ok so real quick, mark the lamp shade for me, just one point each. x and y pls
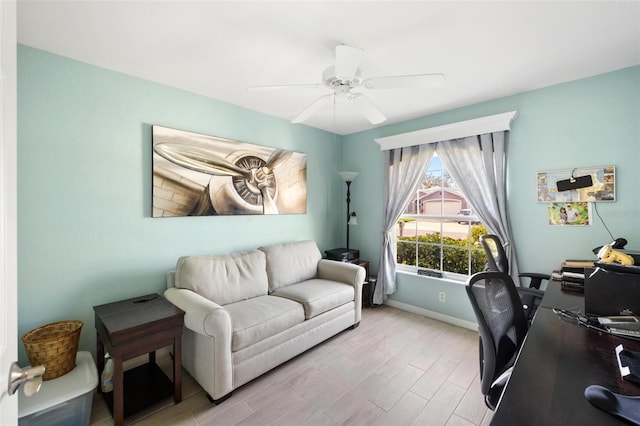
(348, 176)
(353, 219)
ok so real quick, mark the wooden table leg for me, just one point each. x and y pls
(177, 369)
(99, 360)
(118, 391)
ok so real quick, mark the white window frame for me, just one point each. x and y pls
(440, 218)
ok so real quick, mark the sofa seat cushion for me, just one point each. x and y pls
(256, 319)
(317, 296)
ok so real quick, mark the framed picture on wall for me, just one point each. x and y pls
(200, 175)
(603, 188)
(569, 214)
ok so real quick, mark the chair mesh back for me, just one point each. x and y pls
(501, 320)
(496, 256)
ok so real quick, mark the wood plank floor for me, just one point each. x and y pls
(396, 368)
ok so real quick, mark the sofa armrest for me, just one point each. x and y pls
(348, 273)
(171, 278)
(208, 357)
(202, 315)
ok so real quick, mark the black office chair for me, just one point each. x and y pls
(502, 325)
(497, 261)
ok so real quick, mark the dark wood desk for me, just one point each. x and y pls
(554, 297)
(134, 327)
(558, 360)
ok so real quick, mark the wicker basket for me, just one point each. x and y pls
(55, 345)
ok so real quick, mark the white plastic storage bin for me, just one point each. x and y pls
(65, 401)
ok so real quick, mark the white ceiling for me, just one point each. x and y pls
(486, 49)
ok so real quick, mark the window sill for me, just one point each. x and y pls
(450, 280)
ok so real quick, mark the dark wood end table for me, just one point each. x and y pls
(134, 327)
(367, 287)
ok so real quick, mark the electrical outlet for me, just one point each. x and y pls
(442, 296)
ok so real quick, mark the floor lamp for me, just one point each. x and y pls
(352, 219)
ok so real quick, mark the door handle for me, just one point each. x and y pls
(30, 376)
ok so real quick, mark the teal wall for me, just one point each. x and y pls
(85, 232)
(85, 235)
(589, 122)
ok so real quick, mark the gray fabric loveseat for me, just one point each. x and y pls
(249, 312)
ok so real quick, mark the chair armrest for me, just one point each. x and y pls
(202, 315)
(536, 278)
(530, 292)
(348, 273)
(531, 299)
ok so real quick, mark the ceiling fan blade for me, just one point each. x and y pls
(368, 109)
(286, 86)
(348, 60)
(416, 81)
(311, 109)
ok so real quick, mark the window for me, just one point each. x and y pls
(438, 229)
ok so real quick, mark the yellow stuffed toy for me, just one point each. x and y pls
(609, 255)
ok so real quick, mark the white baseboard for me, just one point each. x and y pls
(431, 314)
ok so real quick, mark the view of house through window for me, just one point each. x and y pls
(438, 229)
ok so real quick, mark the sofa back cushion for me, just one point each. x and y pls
(291, 263)
(224, 279)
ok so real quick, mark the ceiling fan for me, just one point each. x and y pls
(344, 76)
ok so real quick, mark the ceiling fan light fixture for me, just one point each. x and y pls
(332, 79)
(345, 75)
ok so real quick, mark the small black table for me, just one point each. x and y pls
(130, 328)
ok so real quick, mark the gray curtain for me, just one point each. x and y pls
(478, 165)
(403, 170)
